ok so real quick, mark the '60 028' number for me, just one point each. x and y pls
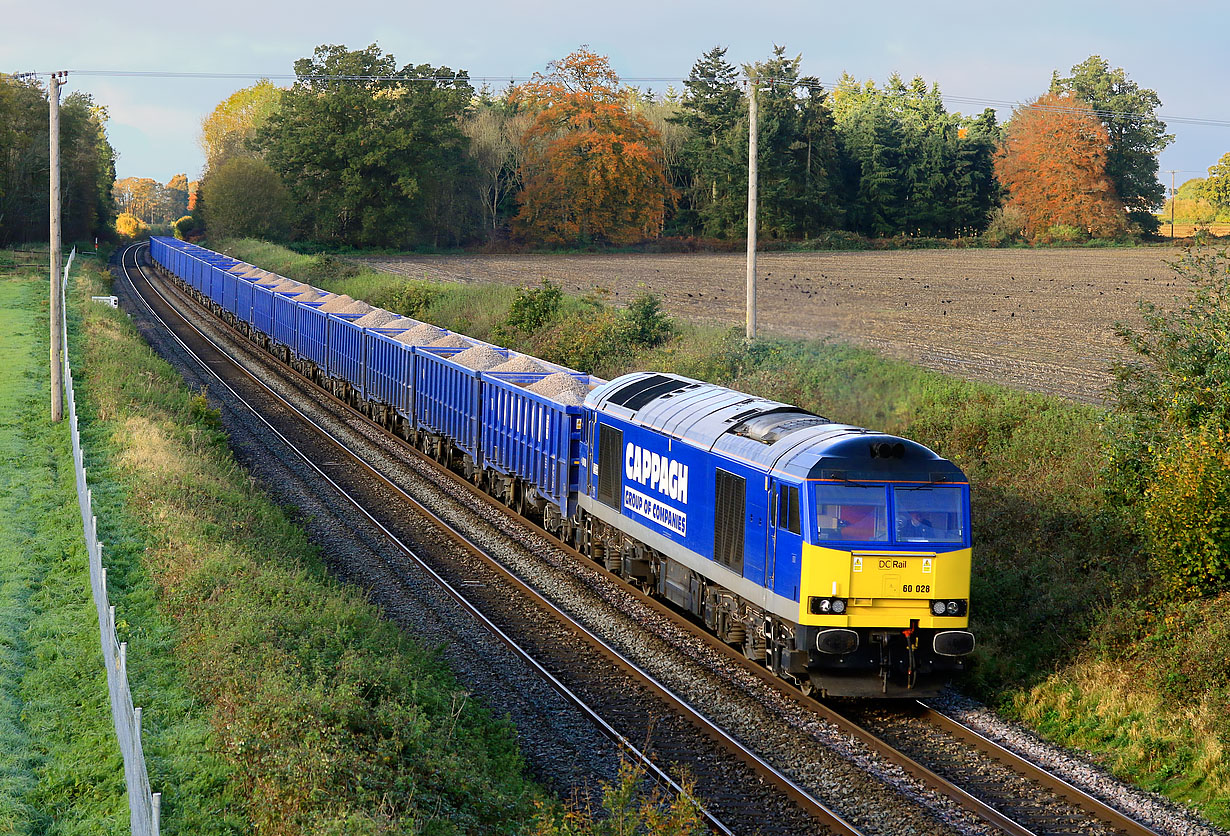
(909, 587)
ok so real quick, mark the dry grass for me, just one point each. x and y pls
(1108, 710)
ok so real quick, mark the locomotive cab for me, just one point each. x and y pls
(885, 581)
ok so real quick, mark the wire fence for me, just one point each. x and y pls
(144, 807)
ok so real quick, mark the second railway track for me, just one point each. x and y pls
(817, 764)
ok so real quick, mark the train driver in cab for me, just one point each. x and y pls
(914, 526)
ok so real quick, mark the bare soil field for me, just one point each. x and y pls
(1039, 320)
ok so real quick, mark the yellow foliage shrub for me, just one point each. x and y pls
(1187, 513)
(131, 227)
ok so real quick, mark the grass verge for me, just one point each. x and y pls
(60, 766)
(1068, 641)
(314, 715)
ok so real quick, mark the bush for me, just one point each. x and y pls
(131, 227)
(836, 239)
(183, 227)
(1007, 226)
(534, 307)
(408, 298)
(1063, 234)
(1186, 512)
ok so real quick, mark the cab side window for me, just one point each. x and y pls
(788, 509)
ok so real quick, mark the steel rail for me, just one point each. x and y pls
(792, 790)
(1035, 773)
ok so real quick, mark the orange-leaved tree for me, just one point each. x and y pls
(1052, 161)
(592, 168)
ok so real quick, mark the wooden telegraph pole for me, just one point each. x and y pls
(751, 208)
(57, 377)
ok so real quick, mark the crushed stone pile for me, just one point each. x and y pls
(337, 304)
(307, 296)
(375, 318)
(357, 307)
(421, 334)
(401, 322)
(451, 341)
(560, 387)
(287, 284)
(480, 358)
(521, 364)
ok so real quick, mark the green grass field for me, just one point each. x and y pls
(60, 769)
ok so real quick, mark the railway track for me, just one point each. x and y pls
(463, 593)
(975, 808)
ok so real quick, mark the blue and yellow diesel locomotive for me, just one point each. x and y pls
(838, 557)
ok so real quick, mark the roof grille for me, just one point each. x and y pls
(637, 394)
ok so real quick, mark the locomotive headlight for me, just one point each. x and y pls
(826, 606)
(950, 609)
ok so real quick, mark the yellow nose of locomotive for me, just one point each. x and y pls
(884, 588)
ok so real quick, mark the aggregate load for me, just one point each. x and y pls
(560, 387)
(375, 318)
(287, 284)
(357, 307)
(421, 334)
(521, 364)
(480, 358)
(401, 322)
(337, 304)
(451, 341)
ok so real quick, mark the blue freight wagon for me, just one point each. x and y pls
(448, 398)
(286, 321)
(345, 352)
(390, 371)
(314, 335)
(529, 435)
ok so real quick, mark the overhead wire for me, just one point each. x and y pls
(997, 104)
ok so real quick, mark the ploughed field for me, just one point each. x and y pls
(1040, 320)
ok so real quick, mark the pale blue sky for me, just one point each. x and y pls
(975, 51)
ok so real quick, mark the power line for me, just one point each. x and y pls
(461, 76)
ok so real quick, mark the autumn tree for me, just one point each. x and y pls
(1052, 161)
(230, 129)
(1135, 133)
(593, 168)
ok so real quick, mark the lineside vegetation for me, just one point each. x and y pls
(1100, 586)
